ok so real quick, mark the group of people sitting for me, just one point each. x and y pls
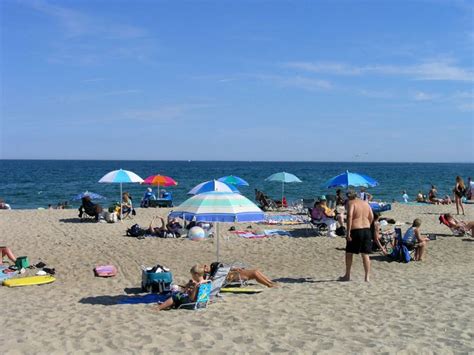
(203, 273)
(95, 210)
(431, 198)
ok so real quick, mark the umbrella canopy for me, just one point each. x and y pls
(219, 207)
(348, 179)
(160, 180)
(121, 177)
(233, 180)
(92, 195)
(283, 177)
(212, 185)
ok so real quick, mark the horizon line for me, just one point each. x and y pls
(247, 161)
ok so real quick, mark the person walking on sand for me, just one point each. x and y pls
(459, 190)
(359, 234)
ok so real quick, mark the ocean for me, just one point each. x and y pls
(27, 184)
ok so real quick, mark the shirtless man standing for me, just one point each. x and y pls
(359, 235)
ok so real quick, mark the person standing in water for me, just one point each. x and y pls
(359, 234)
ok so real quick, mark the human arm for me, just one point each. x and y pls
(350, 211)
(419, 237)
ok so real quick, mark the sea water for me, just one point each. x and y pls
(37, 183)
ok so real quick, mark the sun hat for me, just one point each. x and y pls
(323, 198)
(149, 189)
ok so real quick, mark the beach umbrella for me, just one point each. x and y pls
(212, 185)
(348, 179)
(233, 180)
(218, 207)
(92, 195)
(121, 177)
(283, 177)
(160, 180)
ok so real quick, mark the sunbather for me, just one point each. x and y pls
(238, 274)
(171, 229)
(188, 293)
(459, 225)
(8, 253)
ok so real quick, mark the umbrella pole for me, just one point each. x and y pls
(282, 192)
(121, 215)
(217, 241)
(158, 193)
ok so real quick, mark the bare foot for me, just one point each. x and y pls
(367, 279)
(344, 278)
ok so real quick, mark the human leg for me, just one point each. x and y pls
(366, 262)
(256, 275)
(347, 276)
(165, 305)
(8, 253)
(420, 251)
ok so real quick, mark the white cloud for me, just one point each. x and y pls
(427, 70)
(297, 81)
(76, 23)
(423, 96)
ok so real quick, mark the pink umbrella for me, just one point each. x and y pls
(160, 180)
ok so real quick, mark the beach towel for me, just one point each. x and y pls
(284, 219)
(380, 207)
(5, 275)
(249, 234)
(146, 299)
(276, 232)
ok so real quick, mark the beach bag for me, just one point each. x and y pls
(135, 231)
(405, 254)
(341, 231)
(105, 271)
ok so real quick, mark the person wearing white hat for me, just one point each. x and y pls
(147, 197)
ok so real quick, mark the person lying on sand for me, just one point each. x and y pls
(237, 274)
(188, 293)
(162, 231)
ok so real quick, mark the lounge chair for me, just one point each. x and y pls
(202, 297)
(265, 202)
(458, 231)
(218, 279)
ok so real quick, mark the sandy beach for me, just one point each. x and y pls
(416, 308)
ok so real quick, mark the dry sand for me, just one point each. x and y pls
(413, 308)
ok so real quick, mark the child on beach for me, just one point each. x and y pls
(405, 196)
(189, 292)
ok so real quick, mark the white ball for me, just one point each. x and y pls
(196, 233)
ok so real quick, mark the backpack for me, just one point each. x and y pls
(401, 254)
(135, 231)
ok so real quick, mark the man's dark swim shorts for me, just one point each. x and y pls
(361, 241)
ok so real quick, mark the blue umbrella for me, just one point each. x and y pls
(233, 180)
(92, 195)
(212, 185)
(283, 177)
(218, 207)
(348, 179)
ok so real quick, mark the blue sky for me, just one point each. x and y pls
(237, 80)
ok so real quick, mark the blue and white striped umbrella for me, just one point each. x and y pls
(219, 207)
(121, 177)
(212, 185)
(349, 179)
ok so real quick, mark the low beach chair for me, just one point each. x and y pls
(401, 243)
(218, 279)
(202, 298)
(459, 231)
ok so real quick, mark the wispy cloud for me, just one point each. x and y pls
(76, 23)
(297, 81)
(424, 96)
(165, 113)
(427, 70)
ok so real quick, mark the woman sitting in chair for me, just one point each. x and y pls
(322, 214)
(126, 205)
(459, 225)
(90, 208)
(188, 293)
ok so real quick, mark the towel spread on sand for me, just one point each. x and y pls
(249, 234)
(276, 232)
(146, 299)
(284, 219)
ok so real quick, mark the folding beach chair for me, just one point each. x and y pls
(218, 279)
(202, 298)
(404, 248)
(457, 231)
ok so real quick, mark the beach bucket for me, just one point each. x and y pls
(22, 262)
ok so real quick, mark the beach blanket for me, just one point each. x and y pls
(284, 219)
(5, 276)
(276, 232)
(249, 234)
(380, 206)
(146, 299)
